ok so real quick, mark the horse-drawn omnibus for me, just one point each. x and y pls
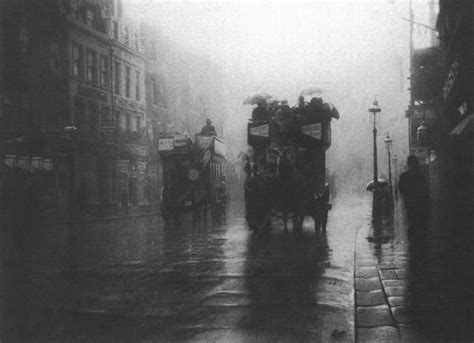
(286, 165)
(192, 172)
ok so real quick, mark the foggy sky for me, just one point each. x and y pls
(351, 49)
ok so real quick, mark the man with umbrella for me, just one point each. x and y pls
(260, 112)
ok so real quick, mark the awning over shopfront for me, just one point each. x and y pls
(465, 126)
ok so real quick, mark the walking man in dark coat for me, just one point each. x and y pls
(414, 190)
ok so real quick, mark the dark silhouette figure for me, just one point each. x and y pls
(260, 112)
(414, 190)
(285, 168)
(208, 129)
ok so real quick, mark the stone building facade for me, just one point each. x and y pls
(74, 104)
(85, 93)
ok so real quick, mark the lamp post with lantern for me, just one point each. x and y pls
(376, 201)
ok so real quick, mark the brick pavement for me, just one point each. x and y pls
(387, 308)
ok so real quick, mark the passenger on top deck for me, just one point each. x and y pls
(260, 112)
(302, 108)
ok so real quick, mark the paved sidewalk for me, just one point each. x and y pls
(398, 297)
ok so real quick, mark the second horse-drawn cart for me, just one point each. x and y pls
(192, 176)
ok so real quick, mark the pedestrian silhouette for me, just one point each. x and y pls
(414, 190)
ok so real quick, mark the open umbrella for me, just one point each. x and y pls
(334, 111)
(381, 183)
(311, 91)
(257, 97)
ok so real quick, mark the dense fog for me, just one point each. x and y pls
(353, 50)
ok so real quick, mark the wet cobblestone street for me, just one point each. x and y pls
(140, 281)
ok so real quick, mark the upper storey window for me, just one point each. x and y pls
(115, 30)
(77, 60)
(91, 66)
(126, 36)
(90, 15)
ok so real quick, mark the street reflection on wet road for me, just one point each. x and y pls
(141, 281)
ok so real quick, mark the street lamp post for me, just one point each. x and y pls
(388, 145)
(69, 135)
(376, 204)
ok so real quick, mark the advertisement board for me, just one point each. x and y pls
(262, 130)
(165, 143)
(313, 130)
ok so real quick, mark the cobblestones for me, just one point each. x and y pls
(397, 298)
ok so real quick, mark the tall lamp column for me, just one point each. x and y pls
(376, 201)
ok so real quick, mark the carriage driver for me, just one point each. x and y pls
(285, 167)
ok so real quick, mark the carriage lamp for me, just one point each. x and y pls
(376, 204)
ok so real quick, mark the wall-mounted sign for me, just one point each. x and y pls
(262, 130)
(165, 143)
(313, 130)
